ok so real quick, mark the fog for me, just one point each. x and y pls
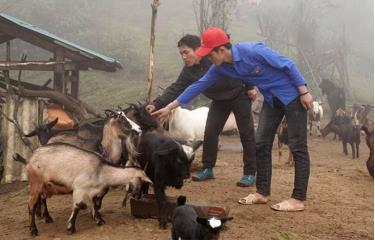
(327, 33)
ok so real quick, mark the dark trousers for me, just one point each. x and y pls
(269, 120)
(216, 119)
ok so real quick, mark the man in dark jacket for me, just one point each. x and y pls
(227, 95)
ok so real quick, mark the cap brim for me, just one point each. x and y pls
(202, 51)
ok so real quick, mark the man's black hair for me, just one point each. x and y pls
(227, 46)
(191, 41)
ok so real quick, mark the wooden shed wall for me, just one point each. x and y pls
(12, 143)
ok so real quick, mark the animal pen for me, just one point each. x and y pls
(25, 104)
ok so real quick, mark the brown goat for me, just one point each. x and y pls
(282, 139)
(84, 173)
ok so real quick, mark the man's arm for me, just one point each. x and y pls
(190, 93)
(199, 86)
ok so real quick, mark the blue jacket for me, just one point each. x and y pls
(255, 65)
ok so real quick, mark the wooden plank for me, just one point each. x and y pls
(58, 77)
(39, 66)
(24, 84)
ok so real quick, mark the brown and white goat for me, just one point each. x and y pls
(84, 173)
(315, 116)
(282, 139)
(116, 133)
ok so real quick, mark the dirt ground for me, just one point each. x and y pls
(339, 205)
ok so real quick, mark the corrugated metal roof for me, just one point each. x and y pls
(60, 41)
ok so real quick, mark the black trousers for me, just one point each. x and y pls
(216, 119)
(270, 119)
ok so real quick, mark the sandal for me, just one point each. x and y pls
(251, 199)
(285, 206)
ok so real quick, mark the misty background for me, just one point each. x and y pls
(329, 33)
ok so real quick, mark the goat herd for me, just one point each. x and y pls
(127, 148)
(131, 148)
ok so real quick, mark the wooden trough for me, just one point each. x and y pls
(146, 207)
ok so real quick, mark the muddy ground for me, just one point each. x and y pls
(339, 205)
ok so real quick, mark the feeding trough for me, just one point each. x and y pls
(146, 207)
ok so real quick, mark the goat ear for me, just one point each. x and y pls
(53, 123)
(202, 221)
(146, 179)
(224, 219)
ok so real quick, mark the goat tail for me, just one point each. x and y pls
(19, 158)
(181, 200)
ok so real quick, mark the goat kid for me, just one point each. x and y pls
(186, 224)
(315, 116)
(84, 173)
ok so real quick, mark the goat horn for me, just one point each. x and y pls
(30, 134)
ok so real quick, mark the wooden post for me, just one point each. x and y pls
(6, 72)
(154, 7)
(58, 76)
(75, 84)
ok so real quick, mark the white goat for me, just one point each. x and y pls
(61, 168)
(188, 125)
(315, 116)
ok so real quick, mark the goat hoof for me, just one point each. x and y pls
(163, 225)
(100, 222)
(34, 232)
(71, 230)
(48, 220)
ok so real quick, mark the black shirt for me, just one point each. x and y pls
(223, 89)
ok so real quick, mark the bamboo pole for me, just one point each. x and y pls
(154, 7)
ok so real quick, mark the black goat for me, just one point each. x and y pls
(87, 136)
(370, 144)
(187, 225)
(351, 134)
(163, 159)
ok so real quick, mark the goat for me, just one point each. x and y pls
(116, 129)
(351, 134)
(163, 158)
(282, 139)
(187, 225)
(230, 126)
(370, 144)
(334, 124)
(82, 172)
(315, 115)
(188, 125)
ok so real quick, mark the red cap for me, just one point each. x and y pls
(211, 38)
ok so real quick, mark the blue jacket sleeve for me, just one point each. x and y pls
(274, 59)
(199, 86)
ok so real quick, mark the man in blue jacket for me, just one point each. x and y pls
(285, 93)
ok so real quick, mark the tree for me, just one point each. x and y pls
(213, 13)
